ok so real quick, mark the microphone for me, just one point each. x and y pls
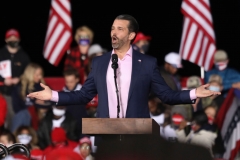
(115, 66)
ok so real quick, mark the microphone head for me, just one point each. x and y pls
(114, 58)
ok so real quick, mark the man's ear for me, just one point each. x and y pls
(132, 35)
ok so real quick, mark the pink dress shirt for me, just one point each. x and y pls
(124, 73)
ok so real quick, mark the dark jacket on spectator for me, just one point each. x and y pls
(19, 61)
(45, 127)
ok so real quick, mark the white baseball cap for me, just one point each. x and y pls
(95, 48)
(174, 59)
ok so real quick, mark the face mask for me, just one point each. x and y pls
(221, 65)
(84, 42)
(13, 44)
(214, 88)
(58, 112)
(24, 138)
(145, 48)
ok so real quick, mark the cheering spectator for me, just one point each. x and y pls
(19, 59)
(78, 56)
(55, 118)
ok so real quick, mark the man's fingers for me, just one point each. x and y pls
(43, 85)
(33, 95)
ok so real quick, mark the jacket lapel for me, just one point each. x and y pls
(136, 65)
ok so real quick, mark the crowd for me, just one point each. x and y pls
(49, 130)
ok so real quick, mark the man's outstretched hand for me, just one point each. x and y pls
(44, 95)
(202, 91)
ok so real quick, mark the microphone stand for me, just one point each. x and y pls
(115, 66)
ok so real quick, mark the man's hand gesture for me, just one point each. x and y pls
(202, 91)
(44, 95)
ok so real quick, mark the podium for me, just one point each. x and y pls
(120, 129)
(137, 138)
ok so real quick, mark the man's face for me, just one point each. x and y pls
(172, 70)
(85, 149)
(120, 34)
(71, 81)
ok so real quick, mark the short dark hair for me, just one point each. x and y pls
(9, 134)
(200, 117)
(133, 24)
(71, 71)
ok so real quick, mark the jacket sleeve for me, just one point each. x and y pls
(164, 92)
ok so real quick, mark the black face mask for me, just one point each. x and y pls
(145, 47)
(13, 44)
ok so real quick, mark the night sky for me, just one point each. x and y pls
(162, 20)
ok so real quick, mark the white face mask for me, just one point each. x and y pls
(24, 138)
(58, 112)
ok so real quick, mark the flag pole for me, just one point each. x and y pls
(202, 72)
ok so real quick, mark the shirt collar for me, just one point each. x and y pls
(129, 52)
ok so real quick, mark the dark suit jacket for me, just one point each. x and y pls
(145, 78)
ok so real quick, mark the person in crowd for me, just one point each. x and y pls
(59, 140)
(172, 121)
(24, 107)
(71, 77)
(172, 62)
(94, 51)
(134, 67)
(230, 77)
(142, 42)
(215, 82)
(3, 111)
(55, 118)
(27, 135)
(17, 57)
(84, 148)
(198, 134)
(78, 56)
(7, 137)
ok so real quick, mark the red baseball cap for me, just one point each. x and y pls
(141, 36)
(58, 134)
(177, 119)
(85, 140)
(12, 32)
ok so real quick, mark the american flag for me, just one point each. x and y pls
(228, 121)
(59, 31)
(198, 39)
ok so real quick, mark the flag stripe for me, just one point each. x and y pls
(59, 33)
(198, 39)
(228, 121)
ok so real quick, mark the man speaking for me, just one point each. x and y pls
(123, 79)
